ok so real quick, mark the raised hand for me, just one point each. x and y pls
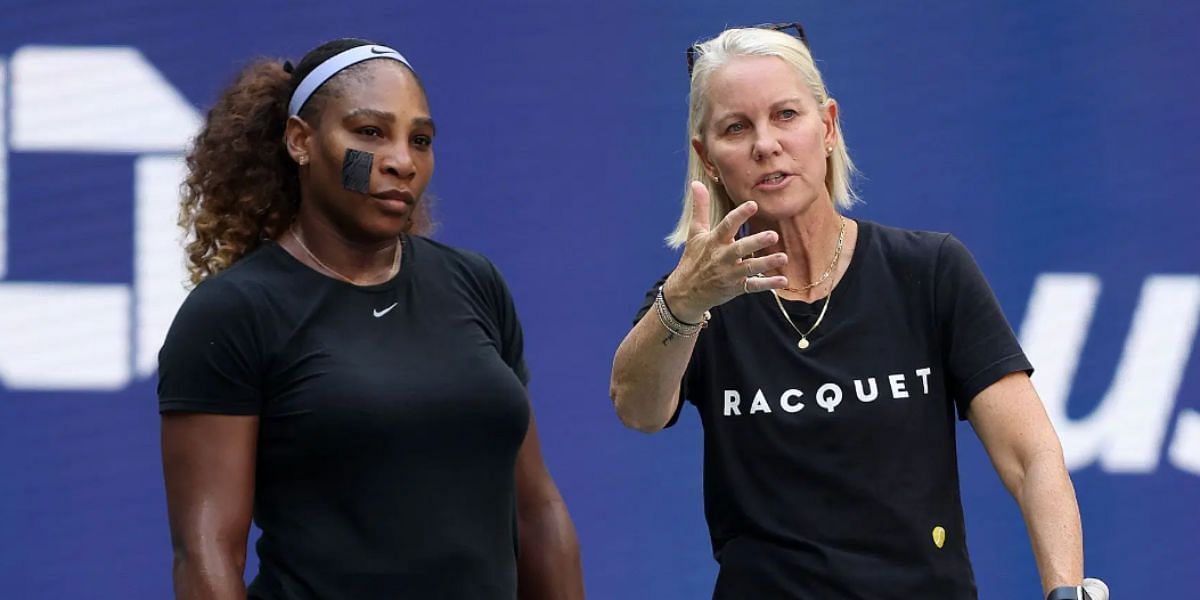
(716, 267)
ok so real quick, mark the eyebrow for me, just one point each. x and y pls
(389, 117)
(425, 122)
(793, 99)
(740, 114)
(370, 112)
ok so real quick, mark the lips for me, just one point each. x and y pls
(404, 195)
(772, 179)
(396, 202)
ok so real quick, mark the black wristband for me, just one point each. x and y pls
(1068, 593)
(664, 297)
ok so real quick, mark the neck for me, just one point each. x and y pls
(338, 255)
(810, 241)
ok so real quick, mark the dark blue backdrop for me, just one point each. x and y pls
(1051, 137)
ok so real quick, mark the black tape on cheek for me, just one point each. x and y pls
(356, 170)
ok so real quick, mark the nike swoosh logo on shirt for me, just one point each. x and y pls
(380, 313)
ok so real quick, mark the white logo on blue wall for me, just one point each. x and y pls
(96, 100)
(1126, 432)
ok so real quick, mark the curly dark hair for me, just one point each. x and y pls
(242, 185)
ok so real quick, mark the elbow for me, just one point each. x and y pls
(1043, 467)
(200, 553)
(547, 524)
(634, 410)
(643, 425)
(627, 411)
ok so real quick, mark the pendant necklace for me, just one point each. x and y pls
(837, 254)
(803, 343)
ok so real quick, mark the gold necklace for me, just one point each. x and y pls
(837, 254)
(803, 343)
(295, 231)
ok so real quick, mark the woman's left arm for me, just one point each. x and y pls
(1011, 422)
(548, 566)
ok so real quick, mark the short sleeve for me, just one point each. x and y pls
(980, 346)
(512, 338)
(647, 304)
(211, 359)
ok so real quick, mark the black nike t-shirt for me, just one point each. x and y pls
(390, 419)
(831, 472)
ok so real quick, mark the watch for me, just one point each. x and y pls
(1072, 592)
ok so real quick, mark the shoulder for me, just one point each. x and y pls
(238, 288)
(905, 244)
(453, 258)
(218, 310)
(463, 274)
(215, 304)
(914, 251)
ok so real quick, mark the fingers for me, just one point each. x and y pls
(754, 266)
(762, 284)
(700, 208)
(753, 243)
(733, 221)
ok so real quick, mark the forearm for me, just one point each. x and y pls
(647, 370)
(1047, 501)
(209, 575)
(713, 270)
(549, 565)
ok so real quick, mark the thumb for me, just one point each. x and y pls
(700, 210)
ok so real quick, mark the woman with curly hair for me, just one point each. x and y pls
(356, 389)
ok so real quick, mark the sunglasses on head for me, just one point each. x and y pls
(796, 30)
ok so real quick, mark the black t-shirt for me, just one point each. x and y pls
(831, 472)
(390, 419)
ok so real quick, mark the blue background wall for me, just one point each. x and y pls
(1051, 137)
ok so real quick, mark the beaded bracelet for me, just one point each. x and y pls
(673, 324)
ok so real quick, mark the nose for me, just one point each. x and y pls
(397, 161)
(766, 143)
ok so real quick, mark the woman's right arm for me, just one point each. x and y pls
(208, 466)
(650, 362)
(647, 370)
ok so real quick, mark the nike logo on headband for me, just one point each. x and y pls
(322, 72)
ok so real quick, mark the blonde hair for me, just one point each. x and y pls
(713, 54)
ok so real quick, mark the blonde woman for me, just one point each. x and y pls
(828, 357)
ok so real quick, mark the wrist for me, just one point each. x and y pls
(672, 323)
(677, 303)
(1068, 592)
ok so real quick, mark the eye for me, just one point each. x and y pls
(735, 127)
(370, 131)
(423, 141)
(788, 114)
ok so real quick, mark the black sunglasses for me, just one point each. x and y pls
(797, 31)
